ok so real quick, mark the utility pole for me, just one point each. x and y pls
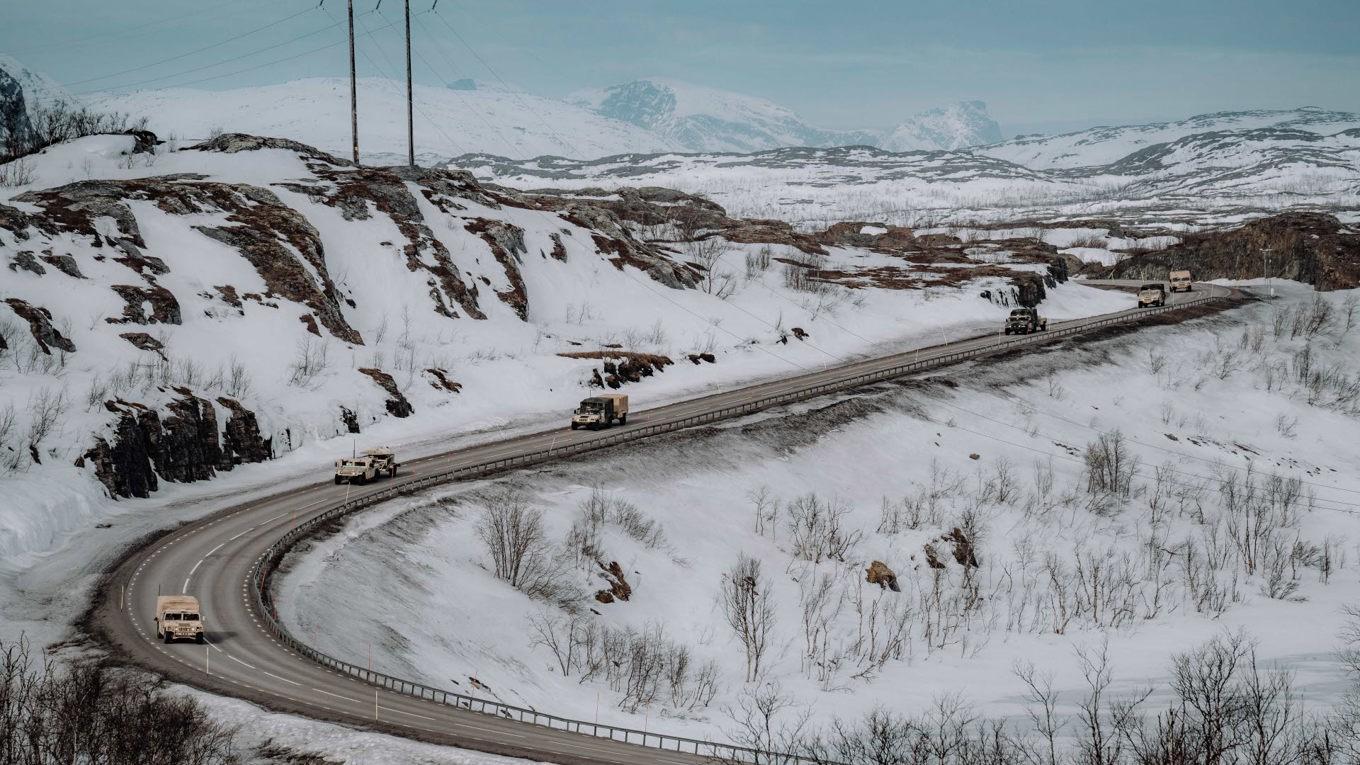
(353, 89)
(1265, 270)
(410, 119)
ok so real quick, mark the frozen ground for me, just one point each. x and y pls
(1226, 406)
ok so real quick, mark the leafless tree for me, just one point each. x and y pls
(748, 606)
(312, 359)
(1110, 466)
(817, 529)
(513, 534)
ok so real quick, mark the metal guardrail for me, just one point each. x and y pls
(269, 561)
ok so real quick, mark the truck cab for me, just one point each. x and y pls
(600, 411)
(355, 470)
(1023, 321)
(1152, 294)
(178, 617)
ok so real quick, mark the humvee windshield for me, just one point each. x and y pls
(590, 407)
(1151, 286)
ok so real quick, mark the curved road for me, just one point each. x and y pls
(214, 558)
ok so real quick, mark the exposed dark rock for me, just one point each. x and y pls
(188, 449)
(241, 439)
(1308, 247)
(439, 378)
(135, 259)
(144, 341)
(63, 263)
(350, 419)
(559, 250)
(144, 141)
(164, 306)
(965, 553)
(231, 143)
(228, 295)
(507, 245)
(124, 467)
(878, 573)
(40, 325)
(397, 405)
(26, 261)
(15, 127)
(619, 589)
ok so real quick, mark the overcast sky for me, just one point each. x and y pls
(1039, 64)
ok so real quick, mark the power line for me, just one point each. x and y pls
(194, 51)
(138, 30)
(245, 55)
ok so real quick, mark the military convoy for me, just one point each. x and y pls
(601, 411)
(366, 467)
(1024, 321)
(178, 617)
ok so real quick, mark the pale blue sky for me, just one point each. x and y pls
(1039, 64)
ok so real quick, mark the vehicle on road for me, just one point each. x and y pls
(372, 464)
(1180, 281)
(1152, 294)
(1023, 321)
(178, 617)
(601, 411)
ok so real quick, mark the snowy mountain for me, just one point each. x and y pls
(960, 126)
(695, 118)
(1105, 145)
(468, 116)
(22, 90)
(1187, 172)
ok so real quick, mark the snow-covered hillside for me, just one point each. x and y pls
(165, 317)
(22, 92)
(959, 126)
(910, 542)
(695, 118)
(449, 121)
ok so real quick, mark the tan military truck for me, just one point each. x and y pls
(601, 411)
(366, 467)
(1152, 294)
(178, 617)
(1180, 281)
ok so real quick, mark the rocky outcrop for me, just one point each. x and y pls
(878, 573)
(144, 448)
(25, 261)
(144, 342)
(241, 439)
(397, 405)
(1308, 247)
(439, 378)
(231, 143)
(164, 308)
(506, 241)
(15, 127)
(618, 588)
(40, 326)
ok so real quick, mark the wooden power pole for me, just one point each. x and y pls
(353, 89)
(410, 100)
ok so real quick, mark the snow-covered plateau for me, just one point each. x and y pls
(1135, 495)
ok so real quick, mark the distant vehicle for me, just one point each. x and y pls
(1152, 294)
(178, 617)
(1023, 321)
(601, 411)
(1180, 281)
(366, 467)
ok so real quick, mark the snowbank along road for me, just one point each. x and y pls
(225, 560)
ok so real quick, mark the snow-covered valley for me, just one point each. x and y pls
(1146, 493)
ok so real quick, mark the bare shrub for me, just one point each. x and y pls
(1110, 466)
(45, 408)
(748, 607)
(312, 358)
(817, 529)
(513, 534)
(90, 713)
(708, 254)
(758, 262)
(18, 172)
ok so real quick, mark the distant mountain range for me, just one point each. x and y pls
(643, 116)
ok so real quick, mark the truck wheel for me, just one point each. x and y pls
(199, 638)
(392, 472)
(169, 639)
(575, 426)
(337, 480)
(623, 419)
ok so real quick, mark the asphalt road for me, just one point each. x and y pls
(212, 559)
